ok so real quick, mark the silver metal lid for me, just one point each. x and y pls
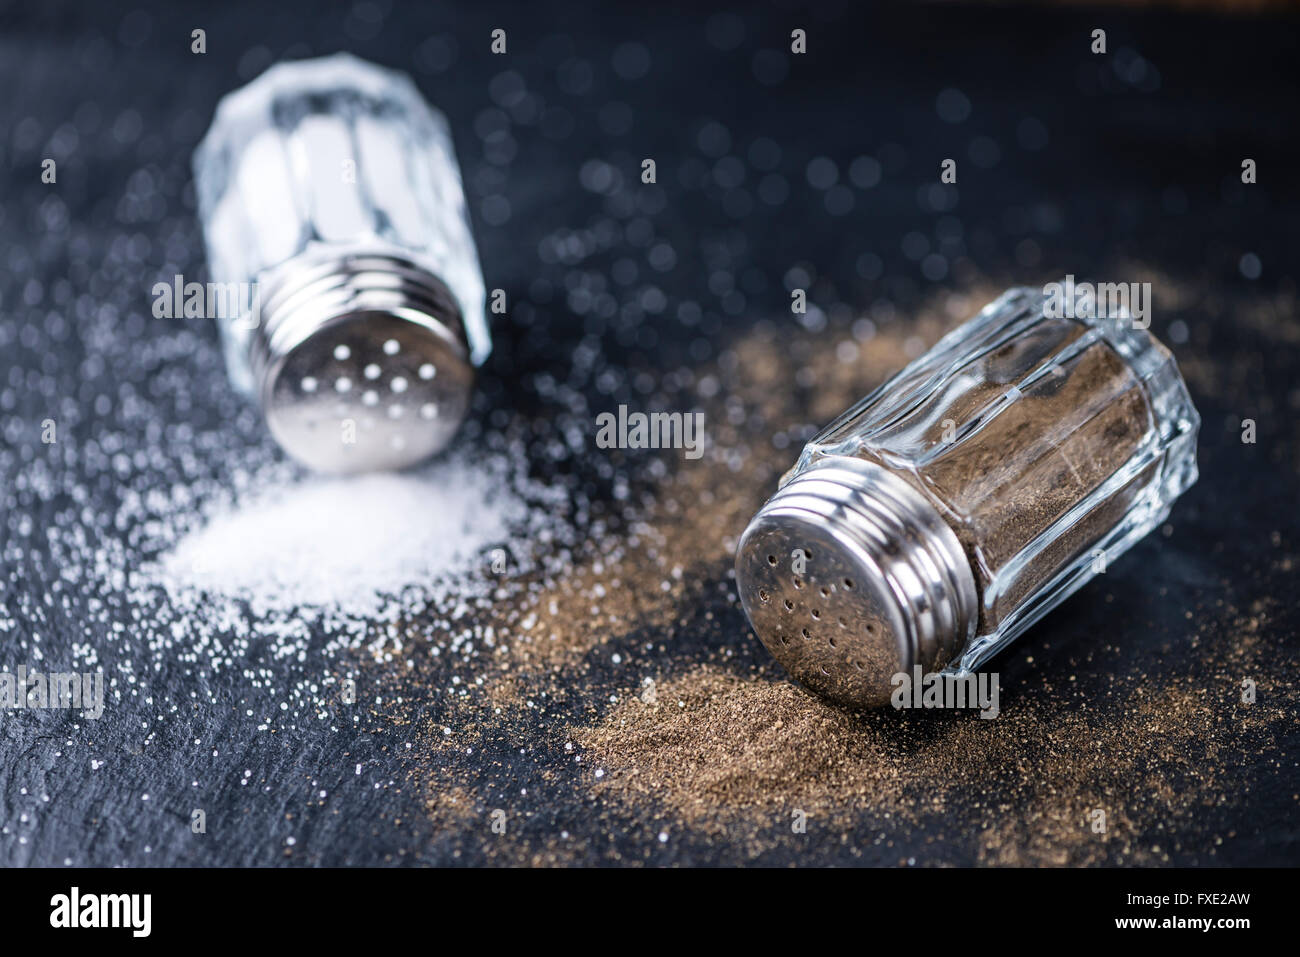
(360, 362)
(849, 576)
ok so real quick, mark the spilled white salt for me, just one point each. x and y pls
(352, 546)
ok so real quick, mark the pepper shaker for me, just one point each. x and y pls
(942, 515)
(330, 187)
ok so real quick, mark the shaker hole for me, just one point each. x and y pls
(392, 347)
(342, 353)
(804, 632)
(398, 384)
(763, 595)
(771, 559)
(372, 371)
(798, 583)
(429, 411)
(816, 614)
(789, 605)
(428, 371)
(370, 397)
(342, 384)
(309, 383)
(848, 583)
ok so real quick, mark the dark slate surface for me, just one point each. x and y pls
(1140, 164)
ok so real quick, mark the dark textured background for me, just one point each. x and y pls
(1140, 164)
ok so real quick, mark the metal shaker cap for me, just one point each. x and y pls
(849, 576)
(360, 362)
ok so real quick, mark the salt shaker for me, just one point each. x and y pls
(330, 188)
(936, 520)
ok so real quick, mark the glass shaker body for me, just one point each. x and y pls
(954, 506)
(330, 188)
